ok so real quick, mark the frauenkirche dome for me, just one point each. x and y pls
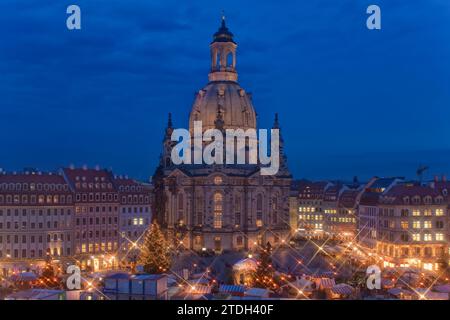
(223, 97)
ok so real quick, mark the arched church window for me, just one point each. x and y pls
(259, 205)
(180, 209)
(180, 201)
(259, 202)
(218, 210)
(199, 210)
(217, 61)
(275, 210)
(229, 60)
(237, 210)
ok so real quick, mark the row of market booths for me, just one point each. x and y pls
(319, 287)
(202, 286)
(413, 284)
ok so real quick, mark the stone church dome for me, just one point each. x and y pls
(223, 98)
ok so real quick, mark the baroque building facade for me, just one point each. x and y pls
(74, 215)
(222, 206)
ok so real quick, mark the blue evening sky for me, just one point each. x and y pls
(351, 101)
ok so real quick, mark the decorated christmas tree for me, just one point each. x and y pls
(264, 275)
(155, 255)
(48, 277)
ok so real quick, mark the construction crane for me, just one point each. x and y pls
(420, 172)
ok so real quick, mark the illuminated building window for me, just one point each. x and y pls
(141, 221)
(416, 224)
(416, 213)
(439, 237)
(427, 212)
(416, 237)
(404, 224)
(427, 237)
(427, 224)
(439, 212)
(428, 266)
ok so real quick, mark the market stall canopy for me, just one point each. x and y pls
(24, 277)
(398, 292)
(231, 289)
(245, 264)
(343, 289)
(326, 283)
(444, 288)
(426, 294)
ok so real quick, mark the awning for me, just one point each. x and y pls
(24, 276)
(326, 283)
(342, 289)
(200, 290)
(228, 288)
(399, 291)
(444, 288)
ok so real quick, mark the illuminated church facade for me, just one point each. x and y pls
(221, 206)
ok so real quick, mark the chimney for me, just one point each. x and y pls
(436, 179)
(444, 178)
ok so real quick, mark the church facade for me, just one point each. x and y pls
(221, 206)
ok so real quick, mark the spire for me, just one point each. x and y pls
(223, 19)
(223, 34)
(169, 128)
(223, 55)
(283, 158)
(276, 124)
(169, 120)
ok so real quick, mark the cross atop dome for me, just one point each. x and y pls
(223, 34)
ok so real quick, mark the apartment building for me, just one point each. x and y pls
(311, 218)
(367, 215)
(413, 227)
(135, 215)
(73, 216)
(36, 219)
